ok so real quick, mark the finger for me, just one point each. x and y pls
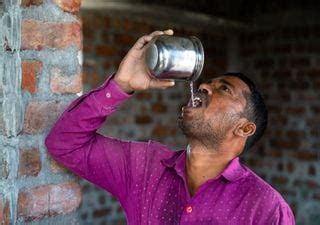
(147, 38)
(142, 42)
(168, 32)
(156, 83)
(156, 33)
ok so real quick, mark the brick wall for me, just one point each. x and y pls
(284, 60)
(42, 74)
(148, 115)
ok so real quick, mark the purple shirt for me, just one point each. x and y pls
(149, 179)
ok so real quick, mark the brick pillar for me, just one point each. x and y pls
(42, 51)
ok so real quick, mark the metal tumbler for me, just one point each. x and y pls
(178, 58)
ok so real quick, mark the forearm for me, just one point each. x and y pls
(79, 122)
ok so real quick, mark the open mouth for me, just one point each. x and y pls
(199, 100)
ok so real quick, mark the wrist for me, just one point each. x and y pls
(123, 86)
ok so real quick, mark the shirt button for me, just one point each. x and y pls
(189, 209)
(108, 95)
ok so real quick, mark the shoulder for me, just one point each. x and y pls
(262, 190)
(266, 199)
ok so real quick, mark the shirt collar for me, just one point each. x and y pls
(172, 161)
(234, 170)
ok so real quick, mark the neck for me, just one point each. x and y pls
(205, 163)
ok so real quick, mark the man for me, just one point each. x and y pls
(205, 184)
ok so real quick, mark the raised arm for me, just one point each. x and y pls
(73, 140)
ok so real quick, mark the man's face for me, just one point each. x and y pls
(217, 110)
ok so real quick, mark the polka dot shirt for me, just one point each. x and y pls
(149, 179)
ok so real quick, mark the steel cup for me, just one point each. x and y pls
(178, 58)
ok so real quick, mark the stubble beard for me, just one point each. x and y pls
(202, 131)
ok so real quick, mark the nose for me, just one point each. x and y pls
(205, 88)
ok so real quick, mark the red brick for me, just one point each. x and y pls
(290, 167)
(163, 131)
(92, 79)
(104, 212)
(282, 74)
(144, 95)
(255, 162)
(56, 167)
(306, 96)
(30, 73)
(312, 170)
(274, 153)
(90, 22)
(282, 49)
(264, 63)
(306, 183)
(300, 62)
(139, 26)
(295, 110)
(288, 192)
(311, 73)
(313, 121)
(122, 24)
(4, 211)
(299, 85)
(38, 35)
(315, 132)
(316, 85)
(41, 115)
(306, 156)
(49, 200)
(60, 83)
(287, 144)
(27, 3)
(283, 96)
(30, 162)
(107, 65)
(106, 50)
(119, 209)
(275, 108)
(102, 199)
(88, 49)
(282, 62)
(220, 62)
(278, 119)
(316, 196)
(124, 39)
(295, 134)
(143, 119)
(159, 107)
(69, 5)
(279, 180)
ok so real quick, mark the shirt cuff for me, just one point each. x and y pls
(111, 94)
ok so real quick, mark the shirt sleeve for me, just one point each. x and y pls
(283, 216)
(74, 142)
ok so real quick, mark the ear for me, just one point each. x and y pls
(245, 129)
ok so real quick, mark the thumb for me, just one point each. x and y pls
(161, 84)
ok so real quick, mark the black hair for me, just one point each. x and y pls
(255, 111)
